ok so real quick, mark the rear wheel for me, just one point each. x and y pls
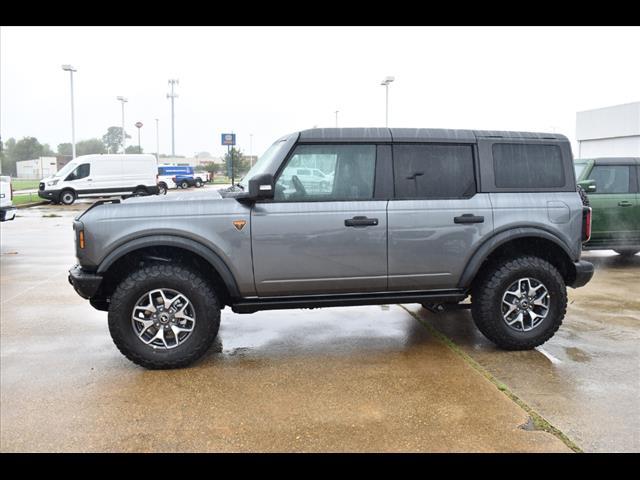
(162, 189)
(164, 316)
(140, 192)
(67, 197)
(184, 184)
(519, 303)
(198, 183)
(626, 253)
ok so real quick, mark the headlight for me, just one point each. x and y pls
(52, 183)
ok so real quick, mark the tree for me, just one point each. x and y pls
(212, 168)
(133, 149)
(64, 149)
(26, 149)
(90, 147)
(113, 139)
(240, 164)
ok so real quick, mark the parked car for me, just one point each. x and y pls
(414, 216)
(7, 210)
(101, 175)
(613, 189)
(313, 178)
(179, 176)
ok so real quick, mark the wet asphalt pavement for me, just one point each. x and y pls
(342, 379)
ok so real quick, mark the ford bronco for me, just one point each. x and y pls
(426, 216)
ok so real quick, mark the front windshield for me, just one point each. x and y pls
(262, 164)
(69, 167)
(579, 168)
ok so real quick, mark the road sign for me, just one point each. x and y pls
(228, 139)
(139, 124)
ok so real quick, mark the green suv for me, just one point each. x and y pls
(613, 189)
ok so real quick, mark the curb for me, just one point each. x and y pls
(33, 204)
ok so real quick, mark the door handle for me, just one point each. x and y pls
(469, 218)
(624, 203)
(360, 222)
(89, 180)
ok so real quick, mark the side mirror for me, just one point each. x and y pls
(261, 187)
(588, 186)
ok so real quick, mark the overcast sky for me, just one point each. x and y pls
(270, 81)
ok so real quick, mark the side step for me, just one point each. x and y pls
(251, 305)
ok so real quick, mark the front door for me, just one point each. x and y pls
(614, 204)
(322, 237)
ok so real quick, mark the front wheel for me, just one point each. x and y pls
(519, 303)
(164, 316)
(68, 197)
(198, 183)
(184, 184)
(162, 189)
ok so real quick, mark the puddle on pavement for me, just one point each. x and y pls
(577, 355)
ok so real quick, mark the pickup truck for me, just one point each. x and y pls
(7, 210)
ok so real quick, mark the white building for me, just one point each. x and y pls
(38, 168)
(609, 132)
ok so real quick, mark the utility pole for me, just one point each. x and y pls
(157, 141)
(123, 100)
(386, 83)
(70, 69)
(172, 96)
(337, 118)
(251, 149)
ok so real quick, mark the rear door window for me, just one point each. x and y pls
(433, 171)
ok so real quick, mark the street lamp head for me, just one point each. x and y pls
(122, 99)
(68, 68)
(387, 80)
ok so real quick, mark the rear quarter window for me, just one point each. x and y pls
(527, 166)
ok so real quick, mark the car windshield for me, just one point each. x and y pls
(69, 167)
(262, 164)
(579, 168)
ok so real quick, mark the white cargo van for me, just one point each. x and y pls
(102, 175)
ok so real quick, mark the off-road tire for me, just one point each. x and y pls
(626, 253)
(184, 280)
(583, 196)
(68, 196)
(487, 295)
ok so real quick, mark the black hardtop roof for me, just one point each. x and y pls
(415, 135)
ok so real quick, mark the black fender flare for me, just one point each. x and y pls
(500, 238)
(174, 241)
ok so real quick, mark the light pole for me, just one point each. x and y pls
(337, 118)
(251, 149)
(386, 83)
(122, 100)
(70, 69)
(157, 141)
(172, 96)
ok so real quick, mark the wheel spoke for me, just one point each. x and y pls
(518, 318)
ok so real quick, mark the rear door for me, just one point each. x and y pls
(614, 203)
(312, 240)
(437, 218)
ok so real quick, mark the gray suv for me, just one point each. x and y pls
(424, 216)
